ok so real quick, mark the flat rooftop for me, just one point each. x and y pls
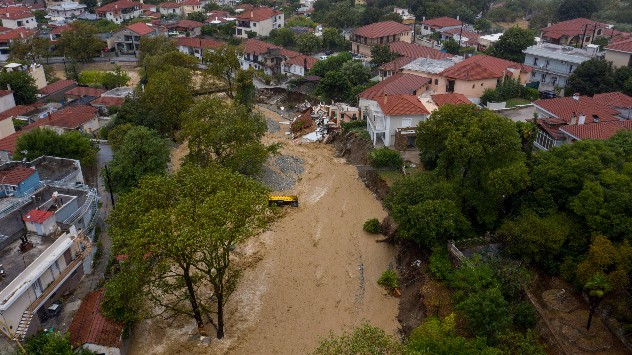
(52, 168)
(14, 261)
(566, 53)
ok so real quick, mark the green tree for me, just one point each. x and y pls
(572, 9)
(591, 77)
(334, 63)
(42, 141)
(333, 39)
(117, 134)
(334, 86)
(223, 64)
(596, 287)
(161, 62)
(155, 46)
(116, 78)
(356, 72)
(427, 210)
(32, 49)
(197, 16)
(245, 89)
(80, 43)
(451, 46)
(141, 152)
(613, 262)
(308, 43)
(479, 151)
(187, 224)
(283, 37)
(45, 343)
(512, 43)
(225, 134)
(22, 84)
(364, 339)
(486, 313)
(381, 54)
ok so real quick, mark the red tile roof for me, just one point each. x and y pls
(89, 326)
(15, 175)
(197, 42)
(571, 28)
(108, 101)
(621, 46)
(302, 60)
(258, 14)
(254, 46)
(602, 130)
(7, 143)
(189, 24)
(381, 29)
(82, 91)
(614, 99)
(397, 84)
(140, 28)
(472, 37)
(288, 53)
(450, 99)
(191, 3)
(18, 110)
(482, 67)
(441, 22)
(169, 5)
(398, 105)
(17, 15)
(565, 107)
(118, 5)
(37, 216)
(71, 117)
(18, 33)
(417, 51)
(4, 29)
(396, 64)
(4, 93)
(57, 86)
(60, 29)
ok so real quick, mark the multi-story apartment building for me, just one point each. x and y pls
(380, 33)
(260, 20)
(553, 64)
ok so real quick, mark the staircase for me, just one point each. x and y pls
(23, 327)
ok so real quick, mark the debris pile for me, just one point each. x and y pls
(281, 172)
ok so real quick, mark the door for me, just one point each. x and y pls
(37, 288)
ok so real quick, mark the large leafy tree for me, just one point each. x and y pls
(381, 54)
(141, 152)
(356, 72)
(486, 313)
(30, 49)
(334, 86)
(333, 39)
(22, 84)
(365, 339)
(451, 46)
(572, 9)
(283, 37)
(479, 151)
(511, 44)
(591, 77)
(153, 46)
(223, 64)
(80, 43)
(181, 230)
(226, 134)
(322, 67)
(71, 144)
(308, 43)
(246, 92)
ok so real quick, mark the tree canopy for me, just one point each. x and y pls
(80, 43)
(43, 141)
(511, 44)
(22, 84)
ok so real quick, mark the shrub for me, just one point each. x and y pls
(388, 279)
(348, 126)
(385, 158)
(440, 265)
(372, 226)
(524, 315)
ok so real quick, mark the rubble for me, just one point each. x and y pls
(281, 172)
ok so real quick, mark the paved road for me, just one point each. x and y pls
(121, 59)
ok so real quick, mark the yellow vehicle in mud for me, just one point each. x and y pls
(281, 200)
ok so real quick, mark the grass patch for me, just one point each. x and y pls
(517, 101)
(390, 176)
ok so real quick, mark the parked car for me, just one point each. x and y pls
(548, 94)
(329, 52)
(323, 57)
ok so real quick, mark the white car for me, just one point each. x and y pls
(323, 57)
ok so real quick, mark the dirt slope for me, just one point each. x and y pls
(313, 272)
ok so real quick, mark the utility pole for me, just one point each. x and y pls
(461, 35)
(584, 35)
(592, 39)
(109, 183)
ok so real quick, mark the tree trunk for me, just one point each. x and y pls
(220, 315)
(193, 299)
(591, 312)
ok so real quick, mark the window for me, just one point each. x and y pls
(436, 81)
(481, 84)
(535, 61)
(543, 77)
(473, 85)
(599, 32)
(533, 74)
(254, 24)
(570, 68)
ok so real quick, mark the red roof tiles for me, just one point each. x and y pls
(258, 14)
(37, 216)
(303, 61)
(396, 64)
(450, 99)
(89, 326)
(17, 15)
(417, 51)
(614, 99)
(441, 22)
(621, 46)
(15, 175)
(566, 107)
(197, 42)
(140, 28)
(118, 5)
(82, 91)
(71, 117)
(108, 101)
(381, 29)
(57, 86)
(18, 33)
(398, 105)
(602, 130)
(187, 24)
(482, 67)
(169, 5)
(572, 28)
(5, 92)
(397, 84)
(254, 46)
(18, 110)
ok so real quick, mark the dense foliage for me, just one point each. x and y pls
(22, 84)
(597, 76)
(42, 141)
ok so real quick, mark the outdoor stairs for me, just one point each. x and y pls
(25, 322)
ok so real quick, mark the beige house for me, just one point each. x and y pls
(391, 119)
(260, 20)
(380, 33)
(620, 53)
(120, 11)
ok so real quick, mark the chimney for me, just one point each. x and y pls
(252, 14)
(582, 118)
(9, 87)
(576, 96)
(385, 98)
(457, 17)
(423, 18)
(574, 119)
(548, 24)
